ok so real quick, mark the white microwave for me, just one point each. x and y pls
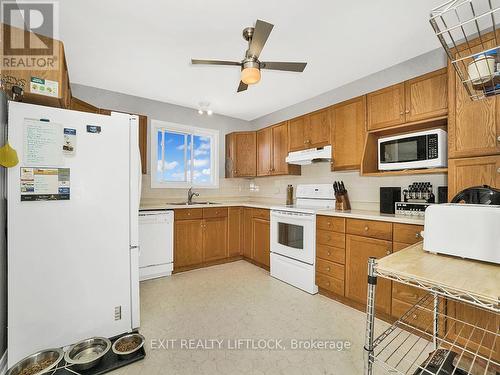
(425, 149)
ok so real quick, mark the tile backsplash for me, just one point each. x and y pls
(363, 191)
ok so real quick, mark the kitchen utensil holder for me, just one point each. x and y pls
(468, 32)
(342, 202)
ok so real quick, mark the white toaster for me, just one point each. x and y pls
(465, 230)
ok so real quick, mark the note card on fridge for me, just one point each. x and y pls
(42, 143)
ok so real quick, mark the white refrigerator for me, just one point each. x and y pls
(72, 229)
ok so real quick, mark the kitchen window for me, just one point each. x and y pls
(183, 156)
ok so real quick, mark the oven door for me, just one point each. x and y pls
(292, 235)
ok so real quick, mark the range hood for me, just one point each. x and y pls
(309, 156)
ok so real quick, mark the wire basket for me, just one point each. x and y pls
(468, 32)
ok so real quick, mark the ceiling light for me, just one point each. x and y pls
(210, 112)
(200, 111)
(250, 75)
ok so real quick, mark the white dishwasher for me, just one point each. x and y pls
(156, 244)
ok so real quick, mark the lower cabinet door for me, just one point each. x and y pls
(188, 249)
(214, 238)
(358, 250)
(247, 232)
(235, 231)
(261, 241)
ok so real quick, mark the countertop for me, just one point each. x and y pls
(459, 276)
(353, 214)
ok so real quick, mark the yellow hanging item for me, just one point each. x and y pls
(8, 156)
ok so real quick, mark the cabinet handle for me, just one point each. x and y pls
(329, 223)
(388, 252)
(407, 111)
(329, 253)
(366, 228)
(328, 269)
(498, 138)
(417, 235)
(401, 113)
(498, 170)
(189, 213)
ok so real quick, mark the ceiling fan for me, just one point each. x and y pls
(250, 65)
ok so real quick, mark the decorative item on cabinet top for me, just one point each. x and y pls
(464, 28)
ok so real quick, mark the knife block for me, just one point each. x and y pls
(342, 202)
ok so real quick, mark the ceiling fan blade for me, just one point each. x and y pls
(287, 66)
(259, 37)
(242, 86)
(215, 62)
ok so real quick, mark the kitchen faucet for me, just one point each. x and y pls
(191, 194)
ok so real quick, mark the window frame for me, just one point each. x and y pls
(214, 134)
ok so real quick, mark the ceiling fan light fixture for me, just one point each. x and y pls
(250, 76)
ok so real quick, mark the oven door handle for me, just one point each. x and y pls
(281, 215)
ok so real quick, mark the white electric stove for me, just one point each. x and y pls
(293, 236)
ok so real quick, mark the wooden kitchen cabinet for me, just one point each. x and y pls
(468, 172)
(53, 68)
(264, 152)
(296, 134)
(279, 152)
(241, 154)
(214, 238)
(82, 106)
(272, 150)
(473, 125)
(309, 131)
(188, 240)
(358, 250)
(348, 121)
(247, 232)
(421, 98)
(261, 241)
(386, 107)
(426, 96)
(235, 231)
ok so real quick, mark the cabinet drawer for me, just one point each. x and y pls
(370, 228)
(188, 213)
(214, 212)
(406, 293)
(420, 318)
(333, 254)
(407, 233)
(334, 239)
(261, 213)
(337, 224)
(329, 283)
(330, 269)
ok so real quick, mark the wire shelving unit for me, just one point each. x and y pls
(428, 330)
(468, 30)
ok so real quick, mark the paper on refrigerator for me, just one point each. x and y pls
(42, 142)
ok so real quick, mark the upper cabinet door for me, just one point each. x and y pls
(473, 126)
(318, 129)
(468, 172)
(280, 148)
(386, 107)
(427, 96)
(296, 133)
(264, 141)
(348, 120)
(245, 154)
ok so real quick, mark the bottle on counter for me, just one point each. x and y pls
(289, 195)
